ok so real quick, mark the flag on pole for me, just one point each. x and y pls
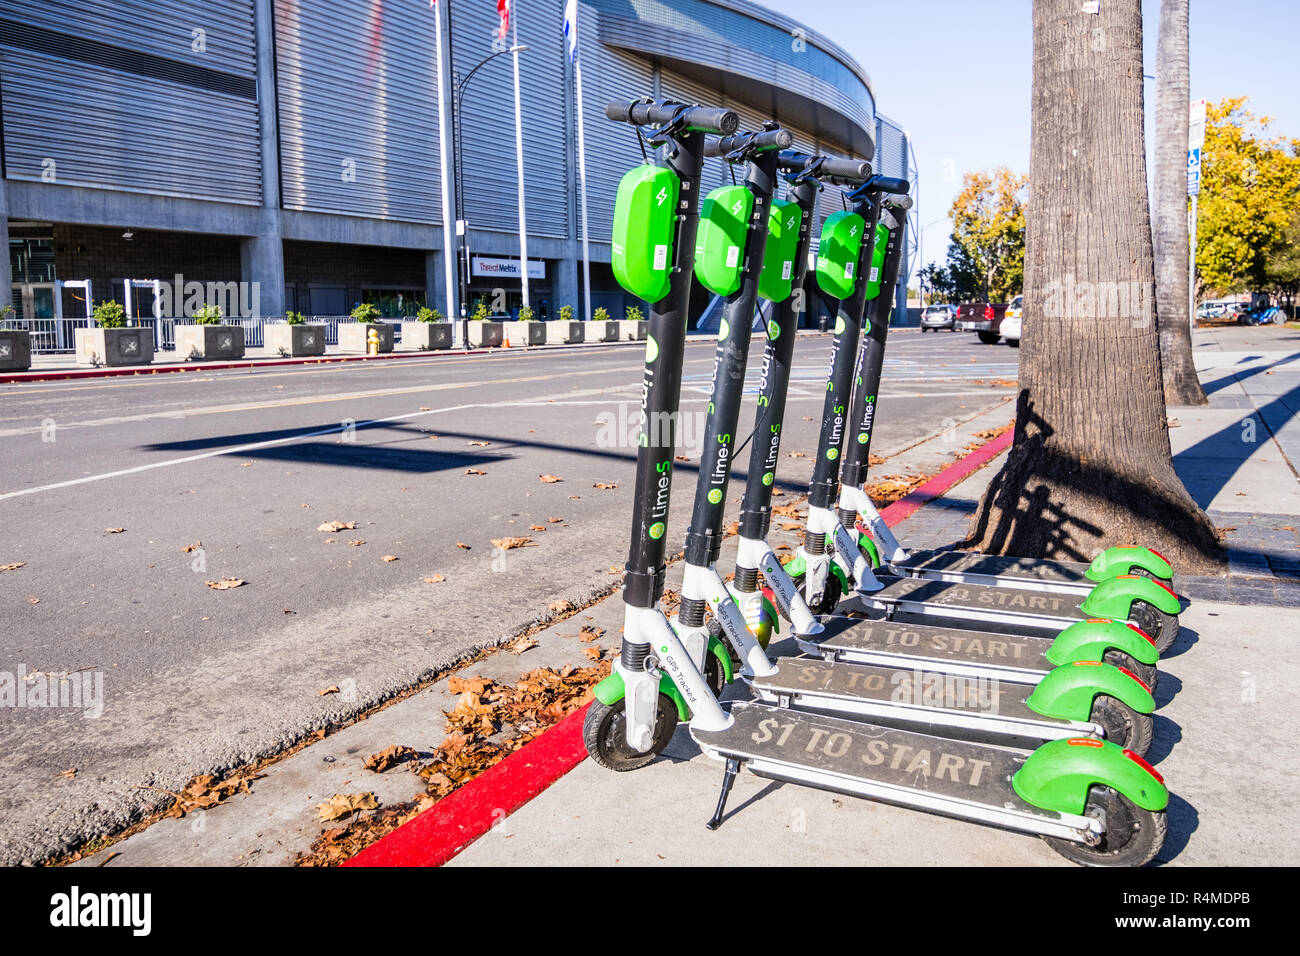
(503, 11)
(571, 28)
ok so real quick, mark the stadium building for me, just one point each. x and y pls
(291, 147)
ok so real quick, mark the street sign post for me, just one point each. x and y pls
(1195, 143)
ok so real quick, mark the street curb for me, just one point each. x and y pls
(453, 823)
(943, 482)
(456, 821)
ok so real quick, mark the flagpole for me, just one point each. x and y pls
(519, 155)
(448, 252)
(582, 172)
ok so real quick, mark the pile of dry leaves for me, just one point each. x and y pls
(489, 722)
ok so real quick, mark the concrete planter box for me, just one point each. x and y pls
(353, 336)
(125, 346)
(295, 340)
(485, 334)
(525, 333)
(15, 350)
(561, 333)
(425, 336)
(210, 341)
(631, 330)
(602, 331)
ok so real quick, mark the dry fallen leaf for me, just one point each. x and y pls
(356, 542)
(559, 607)
(798, 454)
(681, 458)
(462, 545)
(113, 530)
(345, 804)
(474, 471)
(474, 685)
(521, 644)
(537, 527)
(509, 544)
(69, 773)
(549, 479)
(389, 558)
(554, 520)
(247, 464)
(193, 547)
(12, 567)
(225, 584)
(332, 526)
(333, 689)
(389, 757)
(434, 579)
(425, 408)
(605, 486)
(479, 444)
(593, 652)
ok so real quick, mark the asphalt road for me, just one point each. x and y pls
(241, 467)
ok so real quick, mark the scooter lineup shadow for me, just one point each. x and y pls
(1183, 821)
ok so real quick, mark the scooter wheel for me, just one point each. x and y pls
(604, 732)
(1123, 725)
(1130, 836)
(1162, 627)
(830, 597)
(1149, 674)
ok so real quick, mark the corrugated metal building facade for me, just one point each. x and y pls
(263, 140)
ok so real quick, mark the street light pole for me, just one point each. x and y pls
(462, 226)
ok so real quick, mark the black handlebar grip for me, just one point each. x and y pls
(888, 184)
(899, 202)
(711, 119)
(857, 170)
(769, 139)
(704, 118)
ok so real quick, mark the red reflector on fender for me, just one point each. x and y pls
(1136, 678)
(1158, 555)
(1085, 742)
(1150, 640)
(1144, 765)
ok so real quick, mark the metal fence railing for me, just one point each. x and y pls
(52, 336)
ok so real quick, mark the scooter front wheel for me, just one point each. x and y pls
(604, 733)
(1123, 725)
(1162, 627)
(1130, 835)
(829, 598)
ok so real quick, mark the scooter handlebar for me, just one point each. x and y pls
(888, 184)
(707, 119)
(750, 142)
(832, 169)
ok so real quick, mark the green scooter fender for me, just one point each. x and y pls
(868, 544)
(1123, 558)
(611, 690)
(1114, 598)
(1067, 692)
(1090, 640)
(1058, 775)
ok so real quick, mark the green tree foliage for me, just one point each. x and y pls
(959, 280)
(988, 218)
(1250, 185)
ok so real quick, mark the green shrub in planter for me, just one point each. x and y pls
(110, 315)
(427, 314)
(526, 314)
(366, 312)
(566, 313)
(208, 315)
(602, 315)
(480, 313)
(634, 314)
(294, 318)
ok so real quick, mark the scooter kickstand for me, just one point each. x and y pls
(728, 778)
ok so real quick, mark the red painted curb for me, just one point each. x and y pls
(955, 473)
(453, 823)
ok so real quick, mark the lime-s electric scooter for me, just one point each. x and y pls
(834, 560)
(1095, 802)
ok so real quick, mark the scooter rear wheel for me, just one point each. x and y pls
(604, 732)
(830, 597)
(1123, 725)
(1162, 627)
(1131, 836)
(1149, 674)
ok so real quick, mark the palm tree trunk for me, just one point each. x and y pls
(1091, 464)
(1182, 387)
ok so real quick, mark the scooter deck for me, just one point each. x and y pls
(1009, 657)
(912, 696)
(903, 767)
(989, 569)
(1039, 608)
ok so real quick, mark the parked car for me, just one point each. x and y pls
(982, 318)
(1210, 310)
(936, 317)
(1010, 327)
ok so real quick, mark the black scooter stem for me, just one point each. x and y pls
(774, 382)
(704, 539)
(876, 328)
(661, 384)
(824, 488)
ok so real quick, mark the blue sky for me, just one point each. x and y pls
(956, 75)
